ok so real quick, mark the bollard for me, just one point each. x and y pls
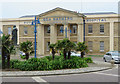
(112, 62)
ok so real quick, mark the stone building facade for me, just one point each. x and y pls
(101, 30)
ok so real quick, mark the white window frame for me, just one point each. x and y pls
(9, 30)
(102, 46)
(90, 26)
(102, 26)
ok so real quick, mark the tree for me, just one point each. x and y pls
(70, 47)
(7, 49)
(27, 48)
(52, 46)
(64, 45)
(82, 48)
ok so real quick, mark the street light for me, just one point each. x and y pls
(34, 22)
(65, 32)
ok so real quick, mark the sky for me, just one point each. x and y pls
(18, 8)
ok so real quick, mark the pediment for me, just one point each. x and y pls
(60, 12)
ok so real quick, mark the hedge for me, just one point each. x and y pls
(46, 63)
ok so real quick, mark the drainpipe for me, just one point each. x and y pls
(84, 27)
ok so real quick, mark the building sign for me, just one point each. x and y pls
(27, 22)
(96, 20)
(57, 18)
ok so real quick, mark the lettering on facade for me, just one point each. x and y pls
(57, 19)
(96, 20)
(27, 22)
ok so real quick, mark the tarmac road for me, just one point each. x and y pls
(111, 75)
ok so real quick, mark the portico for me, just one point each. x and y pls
(53, 26)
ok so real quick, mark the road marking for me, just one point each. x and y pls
(106, 74)
(38, 79)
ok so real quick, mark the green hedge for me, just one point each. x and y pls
(88, 60)
(47, 63)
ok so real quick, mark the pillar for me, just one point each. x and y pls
(40, 39)
(53, 34)
(1, 27)
(80, 35)
(111, 36)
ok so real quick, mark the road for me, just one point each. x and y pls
(111, 75)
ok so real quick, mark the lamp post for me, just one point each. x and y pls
(35, 22)
(65, 32)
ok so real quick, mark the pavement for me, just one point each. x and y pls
(96, 66)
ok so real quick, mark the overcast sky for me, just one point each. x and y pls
(18, 8)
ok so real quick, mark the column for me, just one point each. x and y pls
(111, 36)
(68, 32)
(18, 32)
(53, 34)
(80, 35)
(1, 27)
(40, 39)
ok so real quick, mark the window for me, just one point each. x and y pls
(90, 29)
(48, 43)
(101, 45)
(9, 30)
(90, 45)
(101, 28)
(61, 29)
(25, 30)
(48, 29)
(74, 29)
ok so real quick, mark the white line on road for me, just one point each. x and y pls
(38, 79)
(106, 74)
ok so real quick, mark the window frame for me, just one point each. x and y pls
(103, 26)
(26, 29)
(90, 46)
(47, 47)
(61, 28)
(10, 31)
(74, 27)
(102, 46)
(48, 29)
(90, 26)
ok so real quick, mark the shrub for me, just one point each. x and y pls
(23, 57)
(56, 64)
(43, 64)
(13, 63)
(88, 60)
(49, 58)
(47, 63)
(74, 63)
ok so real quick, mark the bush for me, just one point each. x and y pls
(23, 57)
(56, 64)
(14, 63)
(43, 64)
(88, 60)
(47, 63)
(76, 62)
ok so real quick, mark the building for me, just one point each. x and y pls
(100, 32)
